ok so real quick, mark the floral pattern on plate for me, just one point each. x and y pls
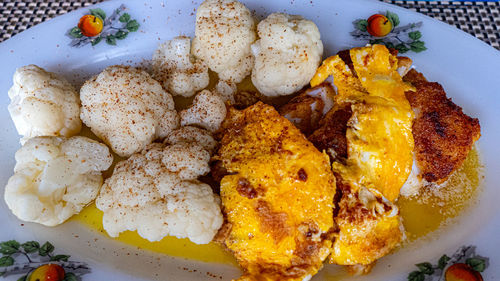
(95, 27)
(384, 29)
(463, 265)
(38, 262)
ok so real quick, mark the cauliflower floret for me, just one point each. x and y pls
(177, 69)
(156, 193)
(188, 162)
(43, 104)
(127, 109)
(55, 178)
(224, 32)
(208, 111)
(189, 134)
(226, 90)
(286, 55)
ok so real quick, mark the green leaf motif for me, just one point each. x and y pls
(23, 278)
(394, 18)
(133, 25)
(402, 48)
(6, 261)
(75, 32)
(70, 276)
(417, 46)
(31, 246)
(390, 45)
(443, 261)
(425, 268)
(124, 18)
(111, 40)
(96, 40)
(59, 258)
(362, 25)
(46, 249)
(376, 41)
(121, 35)
(416, 276)
(9, 247)
(477, 264)
(98, 13)
(415, 35)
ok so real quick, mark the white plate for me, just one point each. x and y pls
(465, 66)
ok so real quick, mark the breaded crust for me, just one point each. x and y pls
(414, 76)
(331, 135)
(306, 110)
(404, 65)
(443, 134)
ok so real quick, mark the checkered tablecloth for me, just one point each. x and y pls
(481, 19)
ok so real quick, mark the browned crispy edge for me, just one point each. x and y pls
(331, 135)
(299, 107)
(443, 134)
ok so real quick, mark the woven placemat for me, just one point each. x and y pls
(481, 19)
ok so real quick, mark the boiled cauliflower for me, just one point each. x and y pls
(55, 178)
(224, 32)
(156, 192)
(226, 90)
(286, 55)
(189, 134)
(127, 109)
(43, 104)
(208, 111)
(177, 69)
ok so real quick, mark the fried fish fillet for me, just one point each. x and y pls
(443, 134)
(368, 227)
(277, 196)
(379, 138)
(369, 127)
(306, 110)
(331, 134)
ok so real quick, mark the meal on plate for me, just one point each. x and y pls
(309, 166)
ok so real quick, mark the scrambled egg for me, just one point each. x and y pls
(379, 152)
(277, 197)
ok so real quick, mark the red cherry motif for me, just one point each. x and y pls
(462, 272)
(47, 272)
(379, 25)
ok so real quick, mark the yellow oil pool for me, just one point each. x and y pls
(92, 217)
(436, 206)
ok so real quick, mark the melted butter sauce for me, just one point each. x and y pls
(436, 207)
(172, 246)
